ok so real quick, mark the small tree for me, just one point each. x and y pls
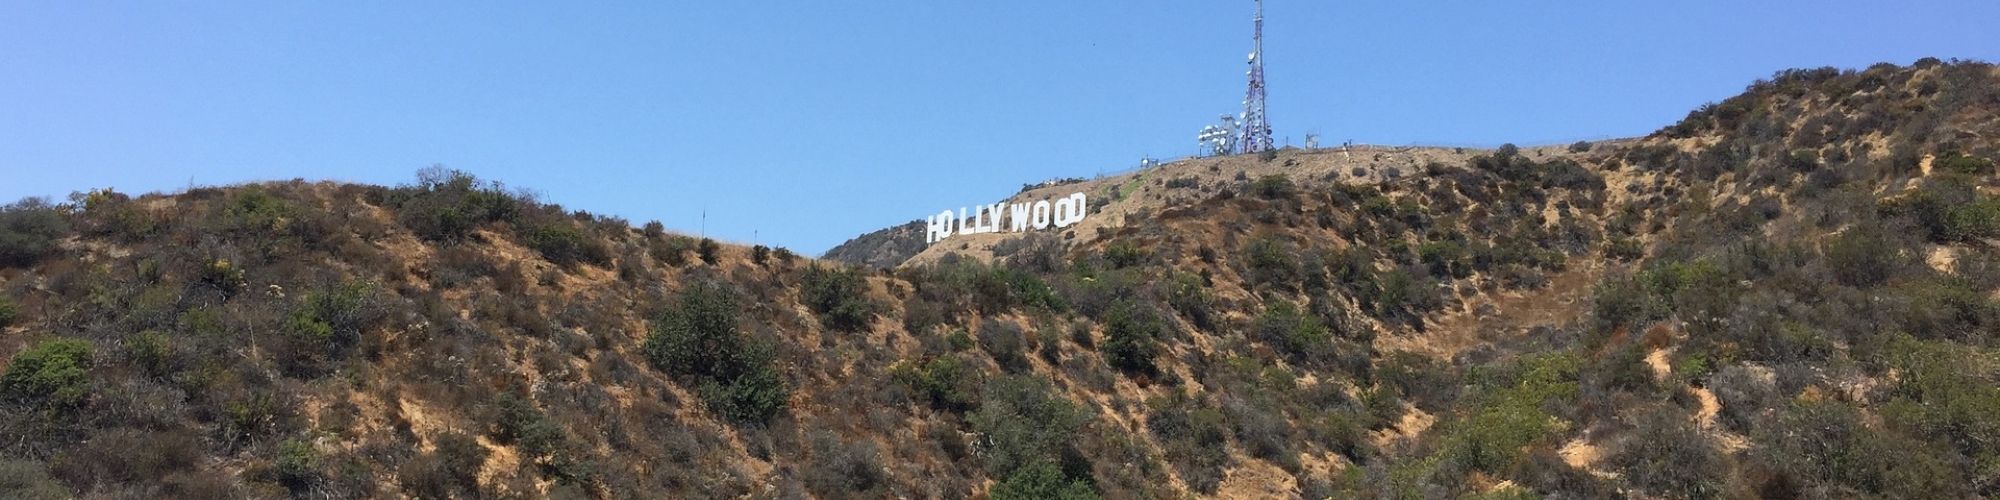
(1131, 339)
(709, 251)
(1022, 422)
(1274, 186)
(54, 372)
(698, 343)
(28, 231)
(840, 297)
(564, 244)
(1862, 256)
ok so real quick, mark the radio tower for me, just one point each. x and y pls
(1256, 134)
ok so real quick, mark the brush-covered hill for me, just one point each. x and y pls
(1788, 294)
(1178, 183)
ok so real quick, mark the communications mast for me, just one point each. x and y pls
(1256, 136)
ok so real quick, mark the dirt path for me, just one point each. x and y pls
(1581, 454)
(1705, 417)
(1565, 298)
(1657, 360)
(1256, 479)
(1413, 423)
(1710, 407)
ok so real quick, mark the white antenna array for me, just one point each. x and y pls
(1219, 139)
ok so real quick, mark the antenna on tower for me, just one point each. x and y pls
(1219, 139)
(1256, 134)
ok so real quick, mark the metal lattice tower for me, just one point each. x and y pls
(1256, 136)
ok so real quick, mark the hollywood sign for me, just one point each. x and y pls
(982, 219)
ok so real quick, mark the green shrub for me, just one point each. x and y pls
(670, 249)
(1299, 336)
(1049, 344)
(1566, 174)
(127, 455)
(519, 422)
(1623, 367)
(699, 338)
(1041, 481)
(968, 285)
(1828, 446)
(1622, 301)
(840, 297)
(1668, 456)
(1862, 256)
(53, 373)
(1399, 295)
(1624, 249)
(1261, 427)
(252, 416)
(1802, 160)
(752, 397)
(1947, 392)
(959, 340)
(1272, 187)
(1124, 253)
(1131, 339)
(1579, 147)
(1508, 413)
(1341, 431)
(110, 213)
(1446, 259)
(1701, 293)
(451, 470)
(843, 469)
(252, 211)
(1021, 422)
(8, 312)
(1190, 295)
(1426, 383)
(1743, 394)
(223, 276)
(1960, 163)
(1977, 220)
(153, 352)
(562, 243)
(28, 480)
(327, 324)
(1006, 344)
(1949, 209)
(709, 250)
(447, 205)
(28, 231)
(1193, 437)
(946, 382)
(297, 466)
(698, 343)
(1273, 263)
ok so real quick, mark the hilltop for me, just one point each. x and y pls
(1178, 183)
(1789, 293)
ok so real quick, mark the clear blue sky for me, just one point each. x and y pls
(801, 123)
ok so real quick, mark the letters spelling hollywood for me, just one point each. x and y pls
(982, 219)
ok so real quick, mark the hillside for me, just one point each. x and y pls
(882, 248)
(1790, 293)
(1174, 184)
